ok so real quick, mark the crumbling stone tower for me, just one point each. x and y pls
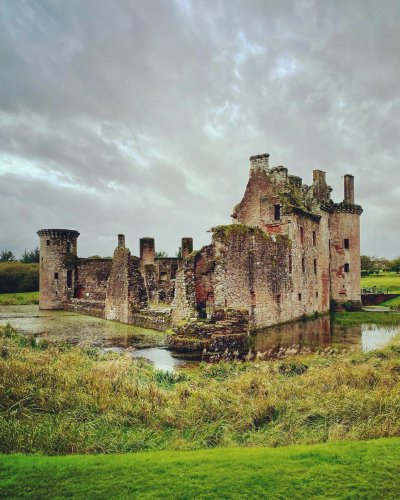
(58, 254)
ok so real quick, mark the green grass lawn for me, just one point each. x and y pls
(366, 317)
(389, 281)
(362, 469)
(19, 299)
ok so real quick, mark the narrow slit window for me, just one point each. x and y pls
(47, 243)
(347, 267)
(303, 265)
(314, 238)
(69, 247)
(277, 212)
(300, 296)
(315, 266)
(290, 264)
(56, 276)
(316, 295)
(278, 299)
(69, 279)
(301, 234)
(346, 243)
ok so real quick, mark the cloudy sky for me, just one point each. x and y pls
(139, 116)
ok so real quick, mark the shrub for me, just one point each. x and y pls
(16, 277)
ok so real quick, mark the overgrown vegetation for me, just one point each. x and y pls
(367, 470)
(60, 399)
(16, 277)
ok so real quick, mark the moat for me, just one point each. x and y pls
(86, 331)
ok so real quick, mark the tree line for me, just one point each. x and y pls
(376, 265)
(28, 257)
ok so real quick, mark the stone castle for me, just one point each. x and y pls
(290, 252)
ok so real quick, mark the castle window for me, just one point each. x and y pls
(299, 296)
(303, 265)
(314, 238)
(47, 243)
(347, 243)
(315, 266)
(301, 234)
(69, 279)
(278, 299)
(347, 267)
(290, 264)
(56, 276)
(316, 295)
(277, 212)
(69, 247)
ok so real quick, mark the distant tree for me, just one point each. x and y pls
(367, 264)
(179, 253)
(395, 265)
(381, 264)
(30, 257)
(161, 254)
(7, 256)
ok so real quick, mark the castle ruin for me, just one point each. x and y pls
(289, 253)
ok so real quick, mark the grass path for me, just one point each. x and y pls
(360, 469)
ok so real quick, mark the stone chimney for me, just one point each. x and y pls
(259, 163)
(349, 189)
(186, 247)
(121, 241)
(147, 251)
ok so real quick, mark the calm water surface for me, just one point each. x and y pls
(86, 331)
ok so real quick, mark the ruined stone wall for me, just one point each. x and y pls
(255, 276)
(166, 273)
(91, 278)
(345, 262)
(126, 291)
(153, 319)
(184, 302)
(85, 306)
(310, 264)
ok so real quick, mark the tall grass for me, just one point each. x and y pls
(59, 400)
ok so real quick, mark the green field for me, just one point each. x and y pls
(389, 281)
(363, 469)
(19, 299)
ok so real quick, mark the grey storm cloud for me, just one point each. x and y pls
(139, 117)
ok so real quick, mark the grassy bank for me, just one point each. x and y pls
(60, 400)
(19, 299)
(336, 470)
(389, 282)
(364, 317)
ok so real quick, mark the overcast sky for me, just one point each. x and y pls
(138, 117)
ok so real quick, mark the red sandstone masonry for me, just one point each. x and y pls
(290, 251)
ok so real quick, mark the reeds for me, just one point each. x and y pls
(68, 400)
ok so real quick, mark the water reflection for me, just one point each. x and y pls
(61, 326)
(161, 358)
(321, 333)
(85, 331)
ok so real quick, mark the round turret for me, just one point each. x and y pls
(58, 255)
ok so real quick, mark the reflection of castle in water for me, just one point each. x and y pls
(315, 334)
